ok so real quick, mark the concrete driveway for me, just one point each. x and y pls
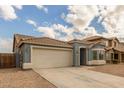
(80, 77)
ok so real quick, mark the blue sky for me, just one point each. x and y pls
(56, 18)
(60, 22)
(19, 25)
(8, 28)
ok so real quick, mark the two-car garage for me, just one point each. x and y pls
(49, 57)
(42, 52)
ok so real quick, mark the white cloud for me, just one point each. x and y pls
(6, 45)
(31, 22)
(55, 30)
(19, 7)
(81, 16)
(90, 31)
(7, 13)
(62, 28)
(63, 16)
(41, 7)
(113, 20)
(47, 31)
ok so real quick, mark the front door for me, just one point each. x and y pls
(82, 56)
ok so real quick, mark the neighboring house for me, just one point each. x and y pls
(114, 51)
(44, 52)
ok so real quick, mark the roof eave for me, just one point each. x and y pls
(43, 45)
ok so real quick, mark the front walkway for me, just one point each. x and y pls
(73, 77)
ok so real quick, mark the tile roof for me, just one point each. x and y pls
(41, 41)
(91, 38)
(120, 48)
(19, 37)
(80, 41)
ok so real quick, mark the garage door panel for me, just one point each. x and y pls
(48, 58)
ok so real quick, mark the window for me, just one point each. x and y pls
(115, 56)
(101, 55)
(112, 56)
(98, 54)
(94, 55)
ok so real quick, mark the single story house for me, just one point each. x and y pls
(44, 52)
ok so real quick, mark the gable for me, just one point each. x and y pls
(18, 38)
(98, 46)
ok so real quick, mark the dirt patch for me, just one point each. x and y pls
(114, 69)
(17, 78)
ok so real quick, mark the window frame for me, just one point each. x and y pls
(95, 55)
(101, 55)
(98, 53)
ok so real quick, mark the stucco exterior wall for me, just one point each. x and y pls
(96, 62)
(90, 54)
(76, 54)
(28, 59)
(26, 53)
(16, 51)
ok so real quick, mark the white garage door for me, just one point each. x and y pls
(48, 58)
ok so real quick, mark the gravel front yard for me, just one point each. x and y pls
(16, 78)
(114, 69)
